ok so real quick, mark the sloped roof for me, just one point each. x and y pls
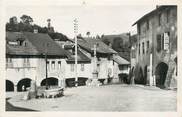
(125, 55)
(19, 50)
(14, 36)
(88, 44)
(36, 44)
(153, 12)
(120, 60)
(43, 43)
(71, 58)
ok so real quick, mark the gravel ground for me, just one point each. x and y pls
(104, 98)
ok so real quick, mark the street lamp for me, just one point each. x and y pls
(76, 59)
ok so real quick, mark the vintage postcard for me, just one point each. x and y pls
(72, 58)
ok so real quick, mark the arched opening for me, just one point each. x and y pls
(139, 79)
(9, 85)
(161, 72)
(123, 78)
(145, 74)
(50, 82)
(82, 81)
(70, 82)
(176, 61)
(23, 84)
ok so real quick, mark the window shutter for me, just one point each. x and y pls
(166, 41)
(158, 43)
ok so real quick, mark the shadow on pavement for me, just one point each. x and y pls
(10, 107)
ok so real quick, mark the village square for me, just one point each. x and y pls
(47, 70)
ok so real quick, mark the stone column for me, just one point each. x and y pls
(151, 81)
(15, 88)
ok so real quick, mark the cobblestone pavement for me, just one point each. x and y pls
(104, 98)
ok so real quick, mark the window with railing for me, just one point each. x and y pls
(139, 49)
(53, 65)
(26, 62)
(148, 44)
(9, 62)
(82, 67)
(48, 65)
(59, 65)
(159, 19)
(72, 67)
(143, 47)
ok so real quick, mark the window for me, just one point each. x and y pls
(143, 46)
(9, 60)
(139, 29)
(167, 15)
(20, 42)
(160, 42)
(123, 67)
(59, 64)
(26, 62)
(159, 19)
(148, 44)
(166, 41)
(82, 67)
(98, 67)
(53, 65)
(72, 67)
(48, 65)
(147, 24)
(139, 48)
(25, 44)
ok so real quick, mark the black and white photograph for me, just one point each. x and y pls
(88, 57)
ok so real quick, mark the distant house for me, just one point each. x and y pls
(103, 64)
(83, 67)
(121, 69)
(25, 60)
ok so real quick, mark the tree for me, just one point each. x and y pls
(118, 44)
(98, 37)
(88, 33)
(25, 19)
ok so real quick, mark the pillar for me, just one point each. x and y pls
(15, 88)
(151, 78)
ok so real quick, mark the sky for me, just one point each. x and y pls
(97, 19)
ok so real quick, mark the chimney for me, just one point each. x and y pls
(35, 30)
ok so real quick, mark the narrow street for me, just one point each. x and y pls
(104, 98)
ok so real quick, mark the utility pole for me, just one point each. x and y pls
(76, 59)
(46, 64)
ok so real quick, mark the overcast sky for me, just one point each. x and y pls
(96, 19)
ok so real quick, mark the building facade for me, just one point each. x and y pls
(27, 55)
(156, 47)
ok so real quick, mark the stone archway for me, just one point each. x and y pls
(51, 81)
(139, 76)
(23, 84)
(161, 72)
(70, 82)
(9, 85)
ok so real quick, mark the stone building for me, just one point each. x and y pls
(156, 48)
(25, 60)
